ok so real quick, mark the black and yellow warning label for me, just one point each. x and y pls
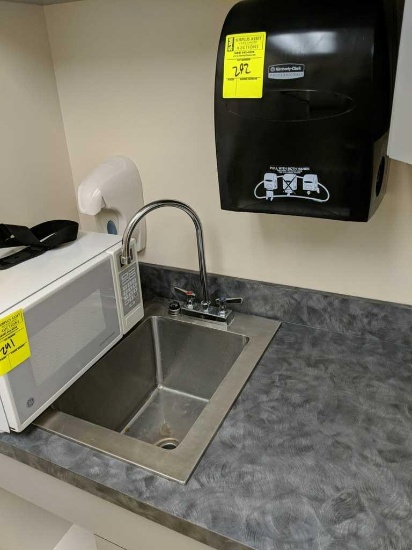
(244, 65)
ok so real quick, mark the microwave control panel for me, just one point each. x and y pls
(129, 287)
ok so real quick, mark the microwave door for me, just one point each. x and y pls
(69, 330)
(4, 423)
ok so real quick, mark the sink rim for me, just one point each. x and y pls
(177, 464)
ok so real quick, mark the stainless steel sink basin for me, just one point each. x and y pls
(157, 399)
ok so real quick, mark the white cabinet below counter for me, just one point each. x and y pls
(103, 544)
(127, 530)
(41, 2)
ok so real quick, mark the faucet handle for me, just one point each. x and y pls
(190, 296)
(222, 301)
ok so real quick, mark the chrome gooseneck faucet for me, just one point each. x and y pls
(126, 258)
(204, 310)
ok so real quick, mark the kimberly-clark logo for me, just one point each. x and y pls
(286, 71)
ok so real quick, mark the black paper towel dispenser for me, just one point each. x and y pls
(302, 107)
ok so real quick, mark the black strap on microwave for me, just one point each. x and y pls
(37, 240)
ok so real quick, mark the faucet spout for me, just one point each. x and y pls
(140, 214)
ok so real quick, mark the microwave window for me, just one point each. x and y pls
(68, 329)
(67, 335)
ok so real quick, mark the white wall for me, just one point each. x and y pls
(400, 146)
(36, 182)
(136, 77)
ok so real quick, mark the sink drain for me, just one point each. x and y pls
(168, 443)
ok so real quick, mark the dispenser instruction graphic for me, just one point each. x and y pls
(291, 182)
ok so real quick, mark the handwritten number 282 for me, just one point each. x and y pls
(242, 68)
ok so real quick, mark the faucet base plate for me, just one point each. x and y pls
(212, 313)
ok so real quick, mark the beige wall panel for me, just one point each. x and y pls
(136, 77)
(36, 182)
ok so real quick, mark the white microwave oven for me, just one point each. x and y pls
(59, 313)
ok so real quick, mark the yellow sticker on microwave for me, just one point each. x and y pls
(244, 65)
(14, 342)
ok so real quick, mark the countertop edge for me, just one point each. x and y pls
(184, 527)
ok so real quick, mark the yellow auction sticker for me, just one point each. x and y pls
(244, 65)
(14, 342)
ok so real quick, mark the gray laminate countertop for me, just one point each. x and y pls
(315, 455)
